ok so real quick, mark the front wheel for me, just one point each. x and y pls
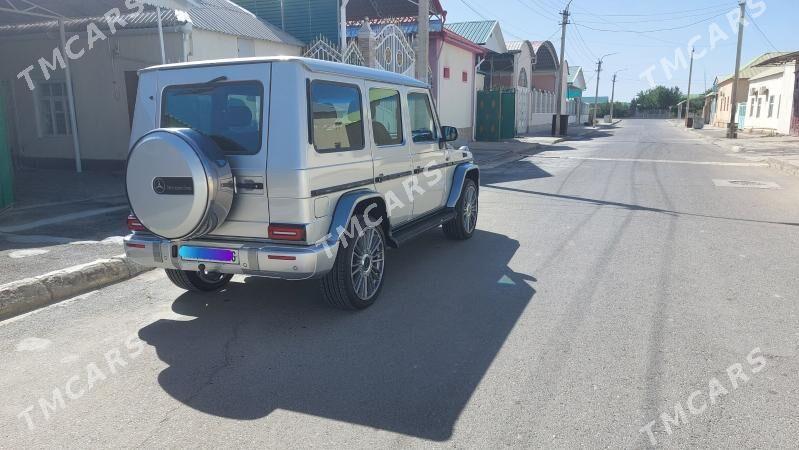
(356, 279)
(462, 226)
(198, 281)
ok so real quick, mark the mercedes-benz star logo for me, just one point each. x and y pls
(159, 185)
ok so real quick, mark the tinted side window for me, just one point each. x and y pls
(386, 116)
(228, 113)
(423, 127)
(336, 116)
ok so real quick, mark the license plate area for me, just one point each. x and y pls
(208, 254)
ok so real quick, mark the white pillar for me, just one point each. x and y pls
(342, 39)
(70, 98)
(161, 35)
(423, 40)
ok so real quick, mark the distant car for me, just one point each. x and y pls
(289, 168)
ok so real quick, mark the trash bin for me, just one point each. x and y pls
(699, 124)
(689, 122)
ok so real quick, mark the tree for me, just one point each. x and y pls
(659, 97)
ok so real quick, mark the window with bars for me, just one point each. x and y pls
(53, 109)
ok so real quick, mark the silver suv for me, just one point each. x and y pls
(289, 168)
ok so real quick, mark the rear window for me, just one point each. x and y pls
(228, 113)
(336, 116)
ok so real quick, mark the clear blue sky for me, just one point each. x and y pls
(703, 22)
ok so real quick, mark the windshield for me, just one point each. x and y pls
(229, 113)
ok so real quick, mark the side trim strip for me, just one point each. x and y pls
(340, 187)
(380, 179)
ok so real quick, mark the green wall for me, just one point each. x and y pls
(303, 19)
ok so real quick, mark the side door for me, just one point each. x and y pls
(392, 158)
(429, 155)
(230, 104)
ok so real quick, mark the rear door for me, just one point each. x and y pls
(230, 103)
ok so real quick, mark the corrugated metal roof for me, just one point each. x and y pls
(514, 46)
(220, 16)
(477, 31)
(751, 69)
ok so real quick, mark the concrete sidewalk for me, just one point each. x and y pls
(780, 152)
(61, 219)
(492, 154)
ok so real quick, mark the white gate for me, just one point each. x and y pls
(393, 51)
(323, 49)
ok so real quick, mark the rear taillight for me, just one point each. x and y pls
(134, 224)
(287, 232)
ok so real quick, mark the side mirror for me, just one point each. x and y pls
(449, 134)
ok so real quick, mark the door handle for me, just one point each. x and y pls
(417, 170)
(379, 178)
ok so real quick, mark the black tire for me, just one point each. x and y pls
(196, 281)
(340, 287)
(458, 228)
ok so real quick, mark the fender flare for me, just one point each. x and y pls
(458, 179)
(345, 208)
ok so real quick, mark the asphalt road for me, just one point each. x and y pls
(610, 280)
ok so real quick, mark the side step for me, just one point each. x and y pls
(410, 230)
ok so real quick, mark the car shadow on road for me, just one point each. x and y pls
(407, 365)
(523, 169)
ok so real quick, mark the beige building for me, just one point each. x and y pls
(103, 60)
(770, 101)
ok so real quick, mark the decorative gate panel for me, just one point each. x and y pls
(394, 52)
(323, 49)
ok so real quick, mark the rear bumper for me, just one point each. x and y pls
(259, 259)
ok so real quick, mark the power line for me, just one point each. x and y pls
(621, 30)
(761, 32)
(662, 19)
(537, 11)
(585, 44)
(465, 3)
(663, 13)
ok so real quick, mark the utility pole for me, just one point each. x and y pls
(732, 130)
(613, 93)
(596, 95)
(557, 123)
(598, 70)
(690, 75)
(422, 40)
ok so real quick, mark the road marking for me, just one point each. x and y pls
(28, 252)
(699, 163)
(505, 280)
(33, 344)
(61, 219)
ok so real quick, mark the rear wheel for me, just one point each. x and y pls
(198, 281)
(462, 226)
(356, 279)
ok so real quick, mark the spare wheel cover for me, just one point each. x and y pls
(179, 183)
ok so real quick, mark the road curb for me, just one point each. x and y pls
(26, 295)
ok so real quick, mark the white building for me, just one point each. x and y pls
(103, 59)
(770, 102)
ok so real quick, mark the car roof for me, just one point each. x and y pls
(313, 65)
